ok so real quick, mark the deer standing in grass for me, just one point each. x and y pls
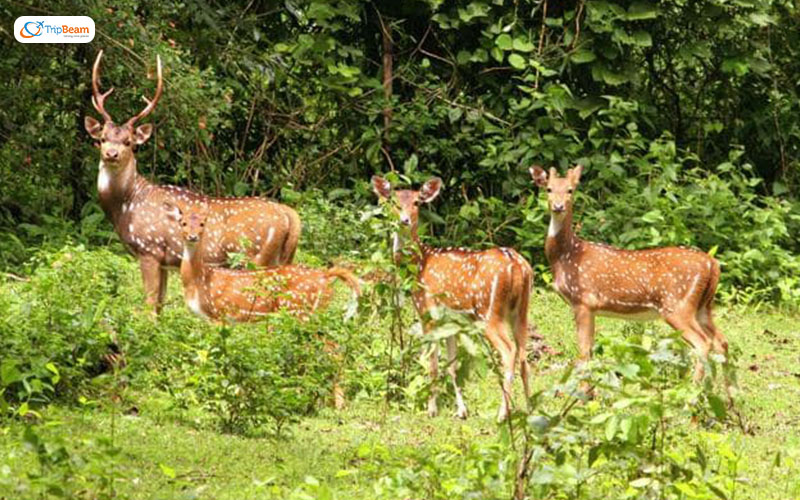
(492, 286)
(135, 206)
(676, 284)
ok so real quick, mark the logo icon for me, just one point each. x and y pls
(25, 29)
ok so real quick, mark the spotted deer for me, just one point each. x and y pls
(245, 295)
(675, 284)
(135, 205)
(492, 286)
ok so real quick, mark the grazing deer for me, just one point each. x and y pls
(135, 206)
(241, 294)
(676, 284)
(492, 285)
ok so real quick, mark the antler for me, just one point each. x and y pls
(150, 104)
(98, 99)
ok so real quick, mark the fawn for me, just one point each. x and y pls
(676, 284)
(241, 294)
(492, 285)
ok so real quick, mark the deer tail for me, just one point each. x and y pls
(292, 236)
(348, 277)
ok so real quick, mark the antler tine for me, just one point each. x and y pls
(98, 98)
(151, 104)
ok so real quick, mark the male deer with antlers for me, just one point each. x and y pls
(676, 284)
(492, 285)
(135, 205)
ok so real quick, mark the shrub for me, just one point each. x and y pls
(58, 325)
(635, 440)
(251, 376)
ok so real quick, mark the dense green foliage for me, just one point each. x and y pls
(76, 424)
(684, 114)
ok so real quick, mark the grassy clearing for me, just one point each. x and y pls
(169, 453)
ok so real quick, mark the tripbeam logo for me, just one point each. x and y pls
(54, 29)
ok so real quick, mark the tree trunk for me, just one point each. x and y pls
(386, 36)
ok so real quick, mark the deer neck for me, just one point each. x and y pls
(116, 185)
(561, 239)
(191, 268)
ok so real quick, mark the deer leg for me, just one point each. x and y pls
(452, 366)
(584, 321)
(719, 344)
(433, 371)
(151, 276)
(497, 334)
(270, 252)
(694, 335)
(162, 286)
(521, 339)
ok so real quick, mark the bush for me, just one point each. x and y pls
(59, 324)
(251, 376)
(634, 441)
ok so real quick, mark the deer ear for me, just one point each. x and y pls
(430, 190)
(94, 127)
(574, 175)
(538, 175)
(172, 211)
(143, 133)
(381, 186)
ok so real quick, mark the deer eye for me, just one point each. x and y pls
(128, 142)
(202, 224)
(569, 191)
(549, 190)
(183, 224)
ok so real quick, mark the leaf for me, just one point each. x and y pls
(642, 10)
(9, 373)
(473, 10)
(761, 18)
(652, 216)
(454, 114)
(522, 45)
(642, 482)
(410, 165)
(517, 61)
(611, 427)
(54, 370)
(503, 41)
(734, 65)
(582, 56)
(599, 419)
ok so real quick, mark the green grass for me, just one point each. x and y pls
(171, 454)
